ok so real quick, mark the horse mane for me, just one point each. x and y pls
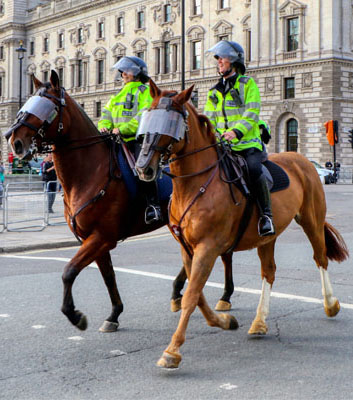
(205, 124)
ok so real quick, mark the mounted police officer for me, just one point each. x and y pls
(122, 115)
(233, 107)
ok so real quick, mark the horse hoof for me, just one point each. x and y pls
(82, 323)
(258, 328)
(175, 305)
(169, 360)
(109, 326)
(231, 322)
(223, 305)
(333, 310)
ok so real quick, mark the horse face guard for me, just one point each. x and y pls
(164, 120)
(42, 107)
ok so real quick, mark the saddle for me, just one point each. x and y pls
(234, 171)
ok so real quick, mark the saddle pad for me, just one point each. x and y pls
(280, 177)
(164, 183)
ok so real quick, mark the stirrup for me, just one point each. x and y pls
(152, 214)
(269, 230)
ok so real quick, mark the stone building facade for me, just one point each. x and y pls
(299, 52)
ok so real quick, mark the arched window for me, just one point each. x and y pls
(292, 135)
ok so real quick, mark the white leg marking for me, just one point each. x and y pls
(327, 291)
(263, 308)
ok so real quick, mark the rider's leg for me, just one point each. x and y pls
(153, 210)
(260, 189)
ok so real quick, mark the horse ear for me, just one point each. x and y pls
(37, 83)
(54, 80)
(184, 96)
(154, 89)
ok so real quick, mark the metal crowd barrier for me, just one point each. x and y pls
(345, 175)
(25, 207)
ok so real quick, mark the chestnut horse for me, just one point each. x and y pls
(97, 204)
(204, 218)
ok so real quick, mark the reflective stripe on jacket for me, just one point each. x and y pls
(238, 109)
(124, 110)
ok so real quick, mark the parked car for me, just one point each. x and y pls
(326, 175)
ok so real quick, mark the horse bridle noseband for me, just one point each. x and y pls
(41, 130)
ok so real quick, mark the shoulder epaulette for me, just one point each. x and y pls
(244, 79)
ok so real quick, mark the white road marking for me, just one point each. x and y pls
(4, 315)
(75, 338)
(38, 326)
(228, 386)
(171, 278)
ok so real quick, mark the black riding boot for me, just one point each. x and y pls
(153, 211)
(263, 197)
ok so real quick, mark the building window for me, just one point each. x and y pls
(158, 60)
(289, 88)
(79, 73)
(100, 75)
(31, 48)
(167, 13)
(80, 35)
(223, 4)
(248, 45)
(2, 52)
(46, 44)
(1, 88)
(175, 57)
(100, 30)
(196, 7)
(293, 34)
(120, 24)
(292, 135)
(61, 75)
(61, 41)
(45, 76)
(2, 8)
(98, 109)
(141, 54)
(196, 55)
(195, 98)
(31, 86)
(140, 20)
(166, 57)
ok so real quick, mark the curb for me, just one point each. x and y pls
(38, 246)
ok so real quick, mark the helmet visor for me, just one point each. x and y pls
(162, 122)
(128, 66)
(224, 50)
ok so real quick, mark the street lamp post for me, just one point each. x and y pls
(20, 53)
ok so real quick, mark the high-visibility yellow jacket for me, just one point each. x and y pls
(238, 108)
(124, 110)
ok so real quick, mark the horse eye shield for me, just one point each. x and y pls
(161, 122)
(40, 107)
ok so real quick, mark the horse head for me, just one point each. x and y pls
(163, 128)
(42, 120)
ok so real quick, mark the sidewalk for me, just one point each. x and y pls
(51, 237)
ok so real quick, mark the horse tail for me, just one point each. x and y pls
(336, 248)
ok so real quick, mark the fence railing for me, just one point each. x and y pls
(31, 206)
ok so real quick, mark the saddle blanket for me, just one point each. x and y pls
(164, 183)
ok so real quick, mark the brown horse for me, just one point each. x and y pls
(204, 218)
(97, 204)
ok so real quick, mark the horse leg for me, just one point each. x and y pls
(317, 239)
(178, 284)
(87, 253)
(224, 303)
(268, 270)
(198, 274)
(105, 265)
